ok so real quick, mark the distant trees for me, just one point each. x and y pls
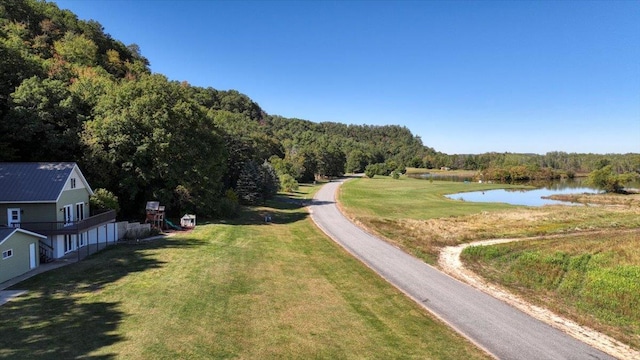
(561, 162)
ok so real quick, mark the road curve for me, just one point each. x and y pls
(498, 328)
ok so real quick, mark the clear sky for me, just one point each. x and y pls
(465, 76)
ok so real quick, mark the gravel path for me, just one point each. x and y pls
(500, 329)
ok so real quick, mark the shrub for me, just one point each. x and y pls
(288, 183)
(103, 199)
(229, 205)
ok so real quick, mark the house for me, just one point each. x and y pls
(19, 249)
(52, 199)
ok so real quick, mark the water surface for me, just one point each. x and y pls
(527, 197)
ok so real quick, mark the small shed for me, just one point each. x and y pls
(188, 221)
(19, 252)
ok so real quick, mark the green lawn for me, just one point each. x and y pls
(594, 279)
(412, 198)
(241, 289)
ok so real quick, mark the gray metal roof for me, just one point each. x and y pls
(5, 232)
(33, 182)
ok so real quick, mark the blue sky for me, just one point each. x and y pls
(465, 76)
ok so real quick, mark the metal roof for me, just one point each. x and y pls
(33, 182)
(5, 232)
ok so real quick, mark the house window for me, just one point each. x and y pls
(68, 215)
(73, 183)
(80, 211)
(68, 243)
(13, 216)
(7, 254)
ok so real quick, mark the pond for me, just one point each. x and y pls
(527, 197)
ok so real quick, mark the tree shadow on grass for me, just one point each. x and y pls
(57, 319)
(280, 210)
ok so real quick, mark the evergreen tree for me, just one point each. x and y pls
(270, 181)
(249, 183)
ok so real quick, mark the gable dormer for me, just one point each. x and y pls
(75, 180)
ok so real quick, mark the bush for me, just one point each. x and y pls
(229, 205)
(103, 199)
(371, 170)
(288, 183)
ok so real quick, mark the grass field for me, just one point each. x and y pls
(594, 279)
(243, 289)
(414, 214)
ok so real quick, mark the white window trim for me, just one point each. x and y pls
(69, 244)
(7, 254)
(68, 215)
(10, 222)
(79, 214)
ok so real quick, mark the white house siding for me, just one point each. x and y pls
(103, 235)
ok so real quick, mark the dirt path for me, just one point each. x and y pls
(450, 263)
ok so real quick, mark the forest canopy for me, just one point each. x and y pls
(70, 92)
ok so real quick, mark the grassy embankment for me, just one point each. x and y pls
(240, 289)
(414, 214)
(592, 278)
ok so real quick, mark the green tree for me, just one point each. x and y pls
(357, 160)
(148, 138)
(44, 121)
(608, 180)
(76, 48)
(257, 183)
(249, 186)
(270, 181)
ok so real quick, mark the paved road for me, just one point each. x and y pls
(493, 325)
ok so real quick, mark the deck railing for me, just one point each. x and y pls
(73, 227)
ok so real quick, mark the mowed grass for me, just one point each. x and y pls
(244, 289)
(593, 279)
(415, 215)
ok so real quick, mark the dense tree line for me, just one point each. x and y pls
(70, 92)
(557, 162)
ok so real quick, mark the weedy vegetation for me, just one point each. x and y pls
(594, 278)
